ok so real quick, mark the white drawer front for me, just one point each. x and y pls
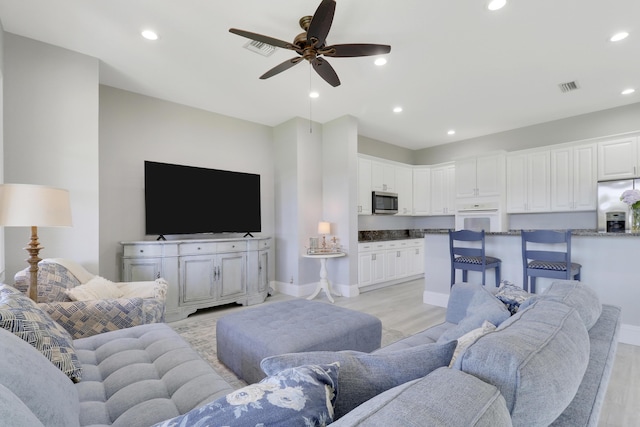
(142, 250)
(197, 248)
(232, 246)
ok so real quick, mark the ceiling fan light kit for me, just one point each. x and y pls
(311, 45)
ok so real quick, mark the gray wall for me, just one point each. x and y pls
(134, 128)
(51, 138)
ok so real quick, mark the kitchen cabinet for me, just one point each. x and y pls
(618, 158)
(573, 178)
(528, 181)
(443, 189)
(383, 176)
(480, 176)
(201, 273)
(364, 186)
(404, 188)
(421, 191)
(389, 262)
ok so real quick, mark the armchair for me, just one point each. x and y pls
(141, 303)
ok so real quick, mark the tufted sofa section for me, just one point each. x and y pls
(132, 377)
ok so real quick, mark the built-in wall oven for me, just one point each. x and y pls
(477, 216)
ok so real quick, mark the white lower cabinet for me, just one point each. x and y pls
(201, 273)
(389, 262)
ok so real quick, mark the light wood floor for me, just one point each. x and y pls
(400, 307)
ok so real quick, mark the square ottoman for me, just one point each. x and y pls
(246, 337)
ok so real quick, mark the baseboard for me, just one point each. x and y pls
(294, 290)
(435, 298)
(348, 291)
(629, 334)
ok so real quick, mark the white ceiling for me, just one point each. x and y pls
(453, 64)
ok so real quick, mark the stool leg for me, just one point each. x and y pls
(533, 285)
(464, 275)
(453, 275)
(498, 276)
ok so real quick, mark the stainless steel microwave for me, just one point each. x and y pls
(384, 203)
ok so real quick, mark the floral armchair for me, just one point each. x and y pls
(140, 303)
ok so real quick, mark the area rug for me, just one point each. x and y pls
(200, 333)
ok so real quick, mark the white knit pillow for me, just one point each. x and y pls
(94, 289)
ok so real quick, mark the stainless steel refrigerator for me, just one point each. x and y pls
(609, 193)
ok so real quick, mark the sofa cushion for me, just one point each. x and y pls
(28, 377)
(460, 296)
(443, 398)
(21, 316)
(142, 375)
(537, 360)
(364, 375)
(469, 338)
(482, 307)
(577, 295)
(301, 396)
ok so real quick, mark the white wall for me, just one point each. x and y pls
(51, 138)
(135, 128)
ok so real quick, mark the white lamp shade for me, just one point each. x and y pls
(26, 205)
(324, 227)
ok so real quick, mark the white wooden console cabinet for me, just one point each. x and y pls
(201, 273)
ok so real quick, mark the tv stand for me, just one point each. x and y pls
(201, 272)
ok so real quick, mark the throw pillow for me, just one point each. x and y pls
(482, 307)
(512, 296)
(21, 316)
(469, 338)
(300, 396)
(364, 375)
(94, 289)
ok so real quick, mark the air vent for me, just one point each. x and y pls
(568, 86)
(261, 48)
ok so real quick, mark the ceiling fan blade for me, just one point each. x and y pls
(281, 67)
(326, 71)
(354, 49)
(264, 39)
(321, 23)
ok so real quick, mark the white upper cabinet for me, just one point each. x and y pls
(480, 176)
(404, 188)
(573, 178)
(528, 182)
(421, 191)
(443, 186)
(618, 159)
(383, 176)
(364, 186)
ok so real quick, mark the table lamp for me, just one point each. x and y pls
(26, 205)
(324, 228)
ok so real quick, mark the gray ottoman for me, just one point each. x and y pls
(248, 336)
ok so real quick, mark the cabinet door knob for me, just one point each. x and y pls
(141, 251)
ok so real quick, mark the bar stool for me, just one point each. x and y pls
(555, 264)
(467, 258)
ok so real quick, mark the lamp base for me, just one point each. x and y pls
(33, 260)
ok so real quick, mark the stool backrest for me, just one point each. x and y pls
(561, 241)
(466, 236)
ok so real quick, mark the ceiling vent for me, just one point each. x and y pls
(568, 86)
(261, 48)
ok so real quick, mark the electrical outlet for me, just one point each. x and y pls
(291, 281)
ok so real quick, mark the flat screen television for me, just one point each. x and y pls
(187, 200)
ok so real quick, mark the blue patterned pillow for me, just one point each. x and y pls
(512, 296)
(21, 316)
(301, 396)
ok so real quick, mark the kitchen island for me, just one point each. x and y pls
(609, 262)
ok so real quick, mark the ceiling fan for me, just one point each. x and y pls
(310, 45)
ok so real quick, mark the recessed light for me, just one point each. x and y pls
(628, 91)
(619, 36)
(451, 132)
(149, 35)
(496, 4)
(397, 110)
(313, 94)
(380, 61)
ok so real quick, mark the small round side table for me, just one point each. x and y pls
(324, 284)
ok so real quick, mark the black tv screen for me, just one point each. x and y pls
(187, 199)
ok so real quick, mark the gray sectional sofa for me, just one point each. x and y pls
(547, 364)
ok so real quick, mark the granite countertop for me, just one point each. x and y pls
(385, 235)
